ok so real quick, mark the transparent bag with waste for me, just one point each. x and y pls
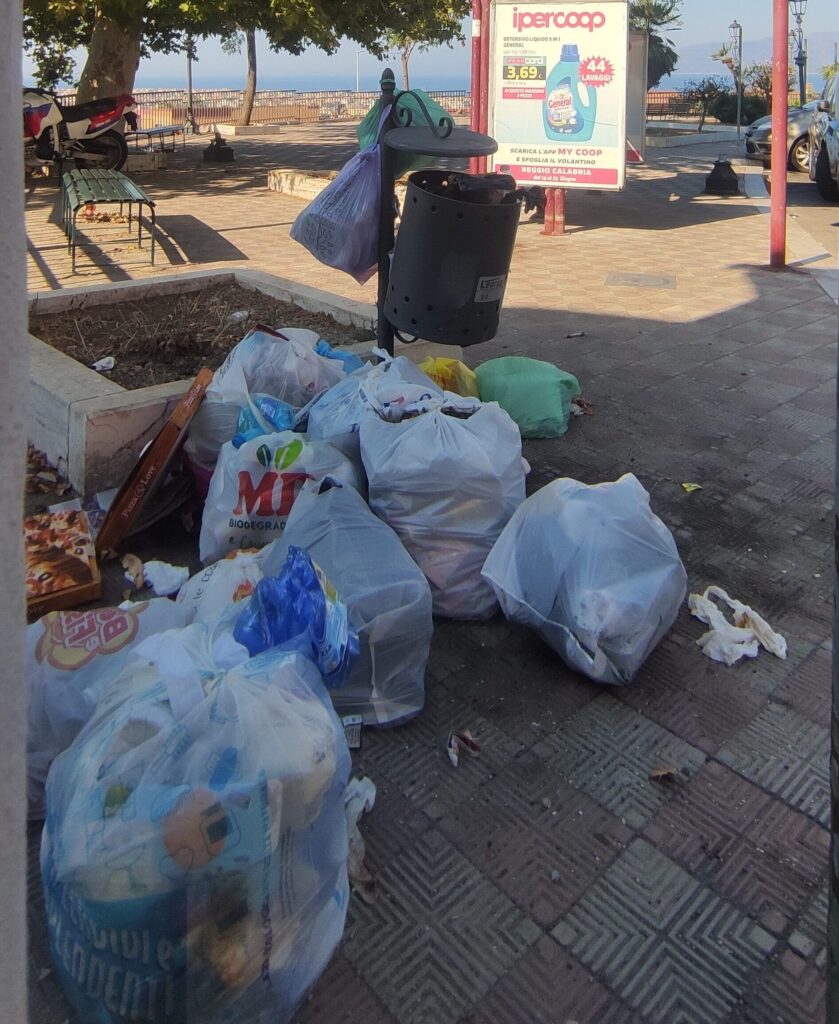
(594, 571)
(387, 597)
(194, 855)
(447, 481)
(281, 364)
(71, 659)
(340, 227)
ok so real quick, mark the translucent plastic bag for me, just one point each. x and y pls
(387, 597)
(336, 415)
(536, 394)
(195, 848)
(447, 485)
(452, 375)
(340, 227)
(282, 364)
(593, 571)
(71, 659)
(254, 487)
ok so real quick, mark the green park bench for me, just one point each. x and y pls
(81, 188)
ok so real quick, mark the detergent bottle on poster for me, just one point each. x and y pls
(566, 114)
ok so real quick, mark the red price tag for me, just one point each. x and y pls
(596, 71)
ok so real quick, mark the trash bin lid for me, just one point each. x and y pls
(422, 140)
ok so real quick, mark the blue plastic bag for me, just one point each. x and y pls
(299, 610)
(275, 415)
(350, 360)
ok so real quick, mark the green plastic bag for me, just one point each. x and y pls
(404, 163)
(537, 395)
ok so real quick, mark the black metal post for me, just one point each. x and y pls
(387, 214)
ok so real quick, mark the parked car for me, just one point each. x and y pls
(824, 141)
(799, 119)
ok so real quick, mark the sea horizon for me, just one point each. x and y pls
(370, 82)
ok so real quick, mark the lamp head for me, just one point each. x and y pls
(798, 8)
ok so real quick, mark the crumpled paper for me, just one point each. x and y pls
(359, 797)
(729, 643)
(163, 578)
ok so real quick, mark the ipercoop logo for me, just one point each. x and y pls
(587, 20)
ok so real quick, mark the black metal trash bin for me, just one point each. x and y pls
(452, 256)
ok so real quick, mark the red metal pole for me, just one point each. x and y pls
(475, 83)
(778, 177)
(559, 212)
(483, 115)
(550, 208)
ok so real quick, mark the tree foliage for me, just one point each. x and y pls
(829, 70)
(704, 92)
(648, 16)
(727, 55)
(163, 25)
(757, 78)
(441, 23)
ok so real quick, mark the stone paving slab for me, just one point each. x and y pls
(551, 879)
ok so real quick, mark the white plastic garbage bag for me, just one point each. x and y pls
(336, 415)
(71, 658)
(207, 595)
(387, 597)
(195, 850)
(593, 571)
(447, 485)
(281, 363)
(254, 487)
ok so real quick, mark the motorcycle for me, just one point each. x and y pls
(89, 133)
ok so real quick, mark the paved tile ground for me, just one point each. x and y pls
(550, 880)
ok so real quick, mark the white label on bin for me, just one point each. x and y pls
(490, 289)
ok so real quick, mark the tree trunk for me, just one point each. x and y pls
(112, 58)
(250, 84)
(406, 56)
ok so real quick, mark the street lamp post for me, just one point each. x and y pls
(736, 31)
(798, 9)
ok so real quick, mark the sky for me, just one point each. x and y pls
(705, 23)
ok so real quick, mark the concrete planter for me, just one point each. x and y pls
(92, 428)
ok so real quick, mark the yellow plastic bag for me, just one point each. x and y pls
(452, 375)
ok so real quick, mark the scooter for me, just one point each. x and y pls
(89, 133)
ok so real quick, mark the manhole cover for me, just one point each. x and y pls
(642, 280)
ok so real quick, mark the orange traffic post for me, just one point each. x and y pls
(778, 177)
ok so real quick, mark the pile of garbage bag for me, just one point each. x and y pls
(195, 847)
(194, 853)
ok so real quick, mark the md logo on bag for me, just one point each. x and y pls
(271, 496)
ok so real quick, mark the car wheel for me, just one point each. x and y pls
(828, 189)
(799, 155)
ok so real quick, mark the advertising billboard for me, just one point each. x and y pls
(558, 92)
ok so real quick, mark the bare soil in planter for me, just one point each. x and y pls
(170, 337)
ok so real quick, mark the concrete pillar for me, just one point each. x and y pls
(13, 392)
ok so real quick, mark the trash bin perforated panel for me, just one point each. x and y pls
(450, 263)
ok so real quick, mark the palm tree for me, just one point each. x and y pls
(647, 16)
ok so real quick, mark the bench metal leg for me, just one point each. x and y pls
(153, 231)
(73, 243)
